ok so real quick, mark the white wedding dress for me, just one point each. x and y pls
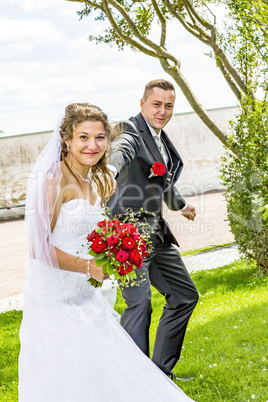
(73, 348)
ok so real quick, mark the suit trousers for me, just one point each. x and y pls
(165, 270)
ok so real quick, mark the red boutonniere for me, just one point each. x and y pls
(158, 169)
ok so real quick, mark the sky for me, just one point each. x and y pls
(47, 62)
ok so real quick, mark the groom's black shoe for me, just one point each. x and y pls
(175, 378)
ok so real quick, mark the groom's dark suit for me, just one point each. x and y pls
(134, 154)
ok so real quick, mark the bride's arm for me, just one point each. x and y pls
(56, 193)
(69, 262)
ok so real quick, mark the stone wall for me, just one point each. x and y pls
(200, 150)
(17, 157)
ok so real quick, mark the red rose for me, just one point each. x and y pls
(139, 264)
(117, 226)
(158, 169)
(114, 224)
(128, 243)
(112, 240)
(136, 236)
(122, 234)
(143, 246)
(134, 256)
(130, 228)
(125, 268)
(99, 245)
(92, 235)
(102, 224)
(120, 269)
(114, 250)
(128, 267)
(121, 256)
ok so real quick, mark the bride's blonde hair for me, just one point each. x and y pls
(77, 113)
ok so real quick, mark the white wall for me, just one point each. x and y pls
(200, 150)
(17, 157)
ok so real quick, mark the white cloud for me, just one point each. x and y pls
(31, 6)
(33, 31)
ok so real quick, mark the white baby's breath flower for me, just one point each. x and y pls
(235, 326)
(263, 359)
(264, 369)
(201, 376)
(210, 366)
(253, 396)
(214, 365)
(237, 360)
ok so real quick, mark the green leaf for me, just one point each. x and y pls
(100, 256)
(109, 268)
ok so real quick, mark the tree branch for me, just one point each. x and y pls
(190, 8)
(162, 20)
(228, 79)
(121, 34)
(158, 49)
(231, 70)
(176, 74)
(211, 40)
(91, 3)
(201, 35)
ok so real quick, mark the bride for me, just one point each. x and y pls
(72, 347)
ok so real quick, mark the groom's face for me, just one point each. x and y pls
(157, 107)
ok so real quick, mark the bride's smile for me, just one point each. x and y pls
(88, 144)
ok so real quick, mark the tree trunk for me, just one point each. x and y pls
(175, 73)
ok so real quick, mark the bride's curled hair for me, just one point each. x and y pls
(77, 113)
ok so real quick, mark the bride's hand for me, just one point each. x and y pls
(96, 272)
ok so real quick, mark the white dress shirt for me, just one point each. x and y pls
(159, 143)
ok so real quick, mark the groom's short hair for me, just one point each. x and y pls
(159, 83)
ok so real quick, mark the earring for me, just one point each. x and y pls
(67, 146)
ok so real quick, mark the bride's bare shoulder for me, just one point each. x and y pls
(58, 178)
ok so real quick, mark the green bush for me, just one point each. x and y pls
(245, 176)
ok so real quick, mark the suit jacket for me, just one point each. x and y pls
(134, 154)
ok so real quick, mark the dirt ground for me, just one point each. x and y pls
(209, 228)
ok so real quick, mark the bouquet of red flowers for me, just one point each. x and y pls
(119, 248)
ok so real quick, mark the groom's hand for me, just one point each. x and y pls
(189, 212)
(96, 271)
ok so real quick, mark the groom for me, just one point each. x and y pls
(142, 143)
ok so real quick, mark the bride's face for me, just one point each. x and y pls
(89, 142)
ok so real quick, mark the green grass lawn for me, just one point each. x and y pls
(225, 347)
